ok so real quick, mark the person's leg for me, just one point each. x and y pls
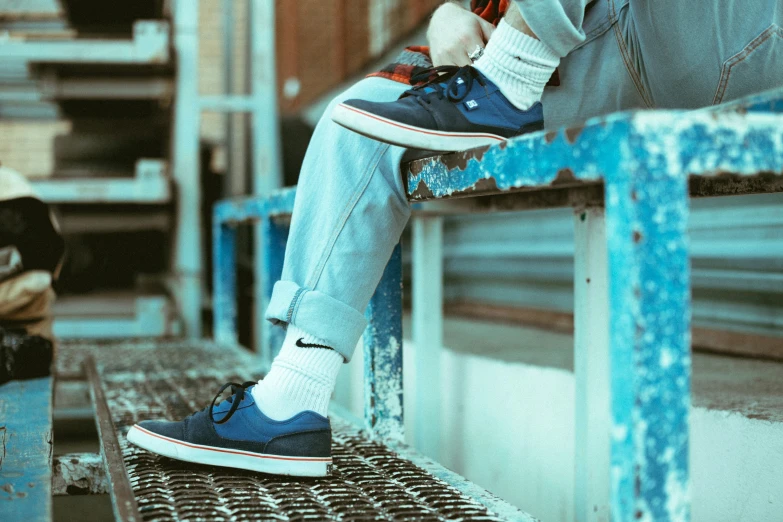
(494, 100)
(349, 213)
(517, 61)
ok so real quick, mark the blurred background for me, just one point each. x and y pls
(131, 124)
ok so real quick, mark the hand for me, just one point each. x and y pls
(455, 32)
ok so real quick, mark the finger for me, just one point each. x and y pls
(459, 57)
(438, 59)
(469, 43)
(486, 29)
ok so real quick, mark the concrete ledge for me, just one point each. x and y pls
(508, 422)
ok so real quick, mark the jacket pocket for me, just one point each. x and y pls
(757, 67)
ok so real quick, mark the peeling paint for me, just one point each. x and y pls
(26, 415)
(235, 211)
(572, 133)
(644, 160)
(383, 355)
(648, 162)
(79, 474)
(682, 142)
(649, 294)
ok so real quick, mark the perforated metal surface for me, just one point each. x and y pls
(369, 481)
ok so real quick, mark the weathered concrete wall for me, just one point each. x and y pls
(508, 410)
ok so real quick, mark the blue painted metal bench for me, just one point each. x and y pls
(26, 450)
(629, 177)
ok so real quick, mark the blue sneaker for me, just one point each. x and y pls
(458, 108)
(236, 434)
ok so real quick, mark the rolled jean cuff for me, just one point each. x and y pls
(318, 314)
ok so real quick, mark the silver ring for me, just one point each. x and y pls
(476, 54)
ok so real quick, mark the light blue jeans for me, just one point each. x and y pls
(351, 207)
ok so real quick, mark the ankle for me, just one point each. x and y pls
(302, 377)
(514, 18)
(518, 64)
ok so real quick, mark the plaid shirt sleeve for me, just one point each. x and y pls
(416, 59)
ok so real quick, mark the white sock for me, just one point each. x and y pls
(300, 378)
(518, 64)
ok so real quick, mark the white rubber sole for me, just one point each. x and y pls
(396, 133)
(274, 464)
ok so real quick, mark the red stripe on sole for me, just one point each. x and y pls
(221, 450)
(420, 130)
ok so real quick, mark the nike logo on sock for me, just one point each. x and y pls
(300, 344)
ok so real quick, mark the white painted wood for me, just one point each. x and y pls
(265, 141)
(591, 367)
(149, 185)
(187, 274)
(109, 318)
(150, 44)
(428, 330)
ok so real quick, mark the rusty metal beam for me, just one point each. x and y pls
(123, 500)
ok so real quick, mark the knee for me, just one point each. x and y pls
(372, 89)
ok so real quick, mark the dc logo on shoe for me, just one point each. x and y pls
(471, 104)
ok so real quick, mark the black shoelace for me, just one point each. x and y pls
(237, 396)
(436, 77)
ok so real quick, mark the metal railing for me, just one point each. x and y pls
(632, 278)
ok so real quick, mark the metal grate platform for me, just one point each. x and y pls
(369, 480)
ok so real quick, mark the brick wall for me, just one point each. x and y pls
(321, 42)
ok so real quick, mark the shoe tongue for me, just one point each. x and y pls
(462, 87)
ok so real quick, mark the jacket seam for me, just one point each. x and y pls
(626, 56)
(365, 180)
(728, 65)
(290, 314)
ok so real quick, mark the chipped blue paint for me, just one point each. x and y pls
(26, 450)
(649, 316)
(383, 409)
(245, 209)
(697, 142)
(227, 214)
(644, 160)
(224, 282)
(275, 236)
